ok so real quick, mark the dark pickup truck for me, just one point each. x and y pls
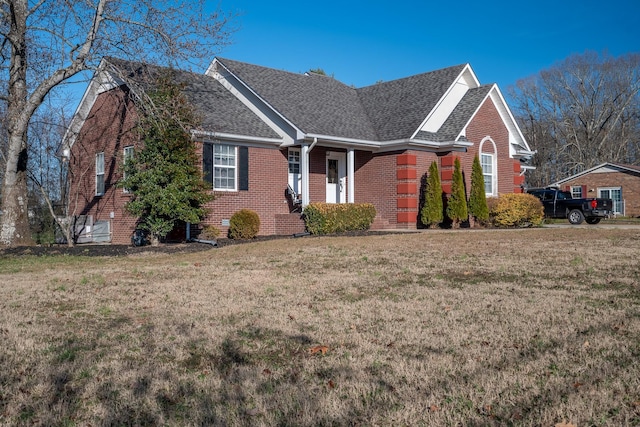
(560, 204)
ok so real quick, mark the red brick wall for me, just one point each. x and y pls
(629, 183)
(107, 129)
(487, 123)
(376, 183)
(268, 178)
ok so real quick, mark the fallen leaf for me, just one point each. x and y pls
(319, 349)
(331, 384)
(586, 344)
(433, 408)
(197, 264)
(577, 385)
(266, 372)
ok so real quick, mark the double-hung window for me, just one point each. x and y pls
(576, 192)
(224, 167)
(127, 156)
(100, 174)
(486, 161)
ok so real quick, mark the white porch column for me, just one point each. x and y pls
(304, 171)
(350, 175)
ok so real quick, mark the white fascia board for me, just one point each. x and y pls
(102, 81)
(591, 170)
(448, 100)
(516, 138)
(510, 121)
(222, 136)
(381, 146)
(254, 101)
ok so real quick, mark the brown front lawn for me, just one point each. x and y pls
(443, 328)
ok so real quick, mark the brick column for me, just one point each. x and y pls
(407, 190)
(446, 172)
(517, 179)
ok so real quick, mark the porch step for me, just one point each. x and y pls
(380, 223)
(287, 224)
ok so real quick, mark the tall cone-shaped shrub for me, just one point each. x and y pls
(432, 211)
(478, 207)
(457, 203)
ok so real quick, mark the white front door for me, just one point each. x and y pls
(336, 177)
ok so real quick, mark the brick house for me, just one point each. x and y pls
(615, 181)
(274, 141)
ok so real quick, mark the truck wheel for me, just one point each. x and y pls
(592, 220)
(575, 217)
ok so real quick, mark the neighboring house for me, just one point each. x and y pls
(615, 181)
(274, 141)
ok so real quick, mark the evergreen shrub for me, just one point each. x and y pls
(432, 212)
(327, 218)
(244, 225)
(478, 208)
(516, 210)
(457, 203)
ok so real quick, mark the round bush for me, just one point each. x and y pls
(244, 224)
(516, 210)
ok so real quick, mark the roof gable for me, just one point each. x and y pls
(603, 168)
(398, 108)
(219, 110)
(314, 103)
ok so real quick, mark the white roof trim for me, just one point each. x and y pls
(102, 81)
(442, 101)
(214, 72)
(398, 144)
(515, 134)
(620, 168)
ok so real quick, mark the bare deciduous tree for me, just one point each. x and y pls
(46, 42)
(580, 113)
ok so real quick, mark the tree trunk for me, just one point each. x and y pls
(14, 229)
(14, 225)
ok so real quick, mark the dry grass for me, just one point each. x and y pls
(516, 327)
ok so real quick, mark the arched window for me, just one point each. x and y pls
(488, 161)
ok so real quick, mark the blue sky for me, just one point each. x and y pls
(362, 42)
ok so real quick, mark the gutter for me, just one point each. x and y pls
(389, 145)
(236, 137)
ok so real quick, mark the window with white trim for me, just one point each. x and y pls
(294, 170)
(99, 174)
(615, 194)
(224, 167)
(488, 172)
(576, 192)
(126, 157)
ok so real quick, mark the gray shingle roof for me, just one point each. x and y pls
(218, 108)
(397, 108)
(319, 104)
(313, 103)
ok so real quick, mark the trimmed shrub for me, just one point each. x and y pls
(244, 224)
(327, 218)
(457, 203)
(432, 213)
(478, 208)
(515, 210)
(210, 232)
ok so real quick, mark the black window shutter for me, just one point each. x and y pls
(243, 164)
(207, 163)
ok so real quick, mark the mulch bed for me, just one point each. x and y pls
(109, 250)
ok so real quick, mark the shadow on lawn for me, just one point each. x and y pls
(229, 384)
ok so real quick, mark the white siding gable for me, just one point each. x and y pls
(449, 101)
